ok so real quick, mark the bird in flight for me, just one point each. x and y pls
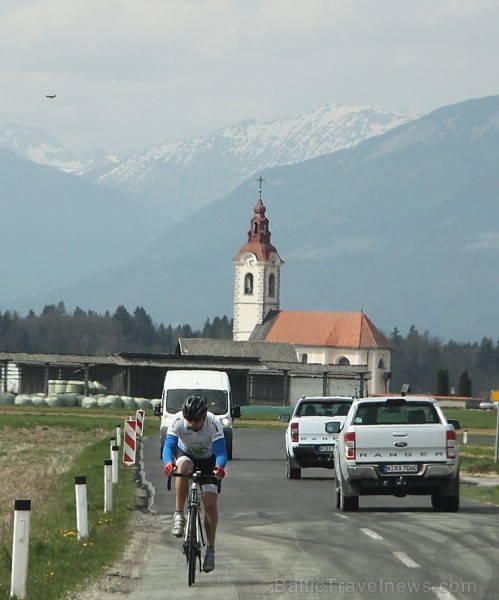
(50, 96)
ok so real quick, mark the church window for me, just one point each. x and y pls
(248, 284)
(343, 361)
(381, 364)
(304, 358)
(272, 285)
(255, 228)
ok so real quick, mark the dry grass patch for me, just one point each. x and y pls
(31, 459)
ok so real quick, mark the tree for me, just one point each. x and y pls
(464, 385)
(443, 382)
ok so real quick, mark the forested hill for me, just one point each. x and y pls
(421, 360)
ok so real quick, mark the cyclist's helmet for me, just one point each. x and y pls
(194, 407)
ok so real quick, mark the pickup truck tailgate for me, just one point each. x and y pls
(312, 430)
(400, 443)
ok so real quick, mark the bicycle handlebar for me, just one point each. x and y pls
(198, 476)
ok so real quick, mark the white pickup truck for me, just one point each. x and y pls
(312, 431)
(397, 446)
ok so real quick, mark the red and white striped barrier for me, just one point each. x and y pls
(140, 422)
(129, 447)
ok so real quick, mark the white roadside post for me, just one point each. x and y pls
(118, 435)
(20, 551)
(115, 458)
(112, 443)
(108, 485)
(81, 506)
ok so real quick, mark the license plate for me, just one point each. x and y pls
(400, 468)
(326, 448)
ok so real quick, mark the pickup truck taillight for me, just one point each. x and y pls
(350, 445)
(451, 444)
(294, 432)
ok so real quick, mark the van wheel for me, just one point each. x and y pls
(228, 444)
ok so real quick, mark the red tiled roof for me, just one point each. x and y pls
(335, 329)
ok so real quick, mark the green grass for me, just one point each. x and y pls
(472, 419)
(58, 561)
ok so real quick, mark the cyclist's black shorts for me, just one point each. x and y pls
(205, 465)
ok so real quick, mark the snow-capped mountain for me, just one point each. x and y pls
(177, 178)
(36, 145)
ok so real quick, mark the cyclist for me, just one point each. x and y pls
(195, 439)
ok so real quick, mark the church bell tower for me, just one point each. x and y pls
(257, 275)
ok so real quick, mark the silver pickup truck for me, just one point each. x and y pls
(397, 446)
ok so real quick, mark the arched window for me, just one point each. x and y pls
(381, 364)
(272, 285)
(304, 358)
(342, 361)
(248, 283)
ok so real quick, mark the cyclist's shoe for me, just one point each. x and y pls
(178, 525)
(209, 560)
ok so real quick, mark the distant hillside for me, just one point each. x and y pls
(403, 225)
(58, 228)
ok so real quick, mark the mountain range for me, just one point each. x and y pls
(402, 225)
(175, 178)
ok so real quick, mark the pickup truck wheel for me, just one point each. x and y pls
(346, 503)
(292, 472)
(445, 503)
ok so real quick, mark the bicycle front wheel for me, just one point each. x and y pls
(192, 544)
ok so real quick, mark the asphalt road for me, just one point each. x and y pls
(285, 539)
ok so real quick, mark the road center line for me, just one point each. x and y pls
(407, 560)
(372, 534)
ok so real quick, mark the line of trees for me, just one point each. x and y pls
(429, 365)
(424, 362)
(86, 332)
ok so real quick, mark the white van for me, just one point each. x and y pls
(213, 385)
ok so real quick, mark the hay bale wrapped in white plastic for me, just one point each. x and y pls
(75, 387)
(101, 388)
(143, 403)
(68, 399)
(51, 389)
(54, 400)
(89, 402)
(23, 400)
(7, 398)
(129, 403)
(115, 401)
(39, 400)
(60, 387)
(79, 399)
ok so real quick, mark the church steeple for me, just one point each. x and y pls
(257, 277)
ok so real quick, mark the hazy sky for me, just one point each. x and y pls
(130, 73)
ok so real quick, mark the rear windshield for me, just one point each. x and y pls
(217, 400)
(403, 414)
(323, 409)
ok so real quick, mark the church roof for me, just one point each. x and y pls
(334, 329)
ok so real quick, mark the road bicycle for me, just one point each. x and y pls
(194, 536)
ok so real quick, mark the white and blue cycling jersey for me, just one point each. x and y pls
(202, 444)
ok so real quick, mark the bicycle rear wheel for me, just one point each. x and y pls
(192, 544)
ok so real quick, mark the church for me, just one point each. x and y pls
(318, 337)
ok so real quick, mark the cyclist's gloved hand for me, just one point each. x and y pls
(219, 472)
(168, 469)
